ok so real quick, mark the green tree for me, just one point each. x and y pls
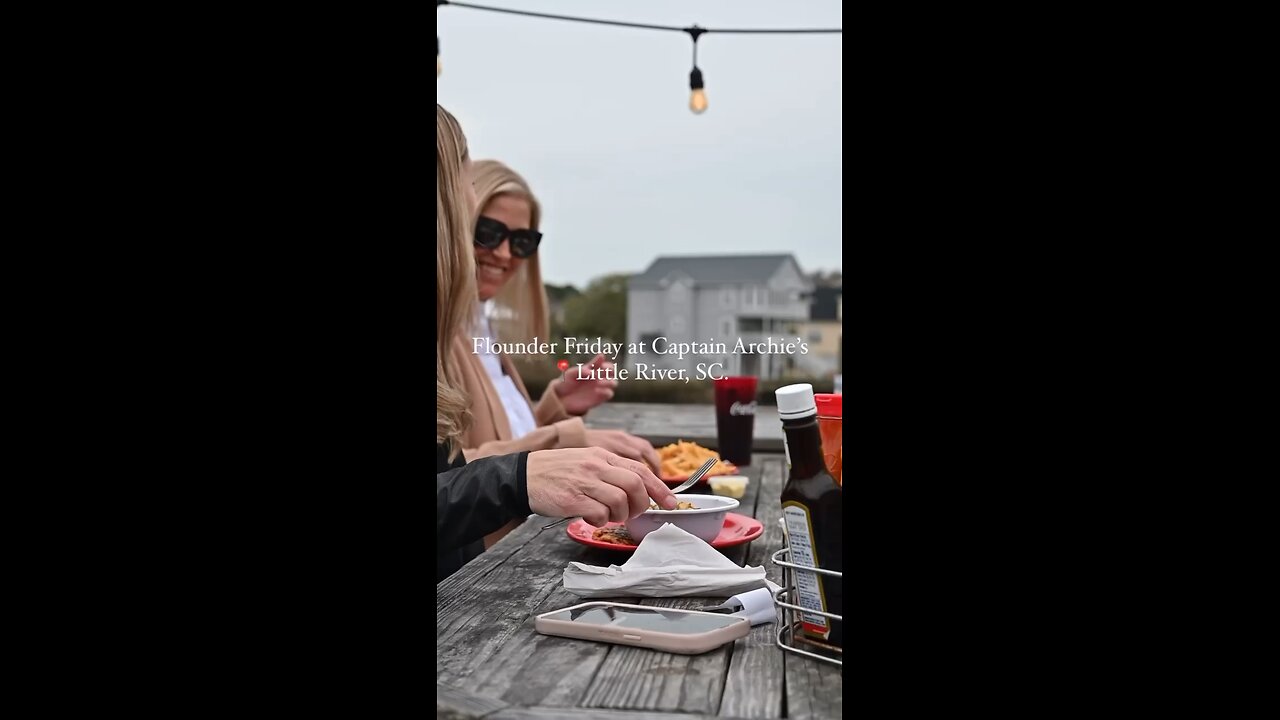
(600, 311)
(557, 296)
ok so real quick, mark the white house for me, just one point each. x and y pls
(710, 300)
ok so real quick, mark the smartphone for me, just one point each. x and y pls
(688, 632)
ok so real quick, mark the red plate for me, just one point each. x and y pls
(738, 529)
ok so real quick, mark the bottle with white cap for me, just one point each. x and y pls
(813, 507)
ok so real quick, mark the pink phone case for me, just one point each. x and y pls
(684, 644)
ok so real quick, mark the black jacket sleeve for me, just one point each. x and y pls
(480, 497)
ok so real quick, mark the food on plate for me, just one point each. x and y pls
(681, 459)
(615, 535)
(734, 486)
(680, 505)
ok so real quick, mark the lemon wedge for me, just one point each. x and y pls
(734, 486)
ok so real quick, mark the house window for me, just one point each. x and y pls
(750, 325)
(726, 329)
(726, 297)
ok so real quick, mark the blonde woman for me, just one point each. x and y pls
(509, 277)
(476, 498)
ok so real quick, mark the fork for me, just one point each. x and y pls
(706, 467)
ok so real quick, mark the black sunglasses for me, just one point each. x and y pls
(490, 233)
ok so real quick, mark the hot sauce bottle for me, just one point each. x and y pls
(830, 412)
(812, 505)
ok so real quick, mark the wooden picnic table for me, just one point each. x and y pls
(492, 664)
(664, 423)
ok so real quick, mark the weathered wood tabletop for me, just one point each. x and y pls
(491, 663)
(663, 424)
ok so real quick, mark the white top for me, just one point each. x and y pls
(519, 414)
(795, 401)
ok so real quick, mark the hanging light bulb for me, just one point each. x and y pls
(698, 96)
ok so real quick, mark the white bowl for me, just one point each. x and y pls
(706, 522)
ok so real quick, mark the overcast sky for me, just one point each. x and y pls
(597, 119)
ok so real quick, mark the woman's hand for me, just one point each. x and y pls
(580, 395)
(626, 445)
(593, 484)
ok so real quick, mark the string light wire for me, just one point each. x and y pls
(698, 99)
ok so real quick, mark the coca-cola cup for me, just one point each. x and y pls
(735, 418)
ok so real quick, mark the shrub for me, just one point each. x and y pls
(538, 372)
(675, 392)
(766, 388)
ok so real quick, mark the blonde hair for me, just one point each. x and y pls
(521, 307)
(455, 277)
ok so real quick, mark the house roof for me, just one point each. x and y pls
(712, 269)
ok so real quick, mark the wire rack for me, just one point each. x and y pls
(791, 613)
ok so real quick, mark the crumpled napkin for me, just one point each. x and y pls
(668, 563)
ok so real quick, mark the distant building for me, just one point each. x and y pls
(719, 299)
(824, 331)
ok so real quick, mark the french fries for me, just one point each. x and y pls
(682, 459)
